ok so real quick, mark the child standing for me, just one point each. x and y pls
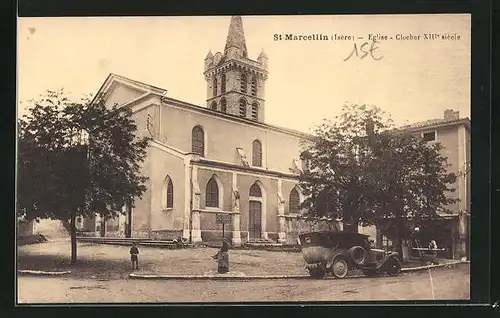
(134, 252)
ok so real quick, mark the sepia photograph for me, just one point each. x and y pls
(253, 158)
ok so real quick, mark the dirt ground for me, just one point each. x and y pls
(113, 262)
(440, 284)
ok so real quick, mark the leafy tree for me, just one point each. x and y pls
(412, 182)
(77, 158)
(336, 182)
(365, 172)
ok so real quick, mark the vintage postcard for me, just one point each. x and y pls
(294, 158)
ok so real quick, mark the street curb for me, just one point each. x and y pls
(419, 268)
(263, 277)
(216, 277)
(42, 273)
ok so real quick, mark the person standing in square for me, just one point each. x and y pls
(134, 252)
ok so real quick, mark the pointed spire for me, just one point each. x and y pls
(209, 55)
(235, 36)
(262, 54)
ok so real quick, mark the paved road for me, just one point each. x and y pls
(449, 283)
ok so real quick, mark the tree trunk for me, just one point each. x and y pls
(73, 236)
(129, 221)
(103, 227)
(399, 240)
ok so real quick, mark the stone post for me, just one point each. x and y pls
(195, 214)
(195, 230)
(281, 214)
(187, 196)
(236, 239)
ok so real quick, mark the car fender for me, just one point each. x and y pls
(386, 258)
(334, 256)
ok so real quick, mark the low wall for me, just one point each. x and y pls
(159, 235)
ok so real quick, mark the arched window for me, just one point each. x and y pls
(254, 86)
(243, 107)
(213, 105)
(168, 194)
(294, 201)
(244, 83)
(255, 111)
(212, 194)
(223, 106)
(257, 153)
(214, 86)
(223, 84)
(255, 191)
(198, 141)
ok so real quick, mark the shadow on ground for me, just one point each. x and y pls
(83, 268)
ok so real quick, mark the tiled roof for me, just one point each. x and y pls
(435, 122)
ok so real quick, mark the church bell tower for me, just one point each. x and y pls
(235, 83)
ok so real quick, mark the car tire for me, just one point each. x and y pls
(339, 268)
(317, 272)
(358, 255)
(394, 267)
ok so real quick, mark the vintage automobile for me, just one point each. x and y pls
(339, 252)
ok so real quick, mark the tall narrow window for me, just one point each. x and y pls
(223, 106)
(294, 201)
(198, 141)
(223, 84)
(243, 107)
(212, 194)
(168, 194)
(257, 153)
(254, 86)
(214, 86)
(213, 105)
(255, 191)
(244, 83)
(255, 111)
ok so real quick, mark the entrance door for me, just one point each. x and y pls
(255, 220)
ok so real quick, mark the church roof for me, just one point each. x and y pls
(235, 36)
(162, 93)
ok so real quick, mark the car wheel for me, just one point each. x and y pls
(317, 272)
(358, 255)
(394, 268)
(339, 268)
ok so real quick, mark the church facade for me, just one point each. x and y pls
(218, 159)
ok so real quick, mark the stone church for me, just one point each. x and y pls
(223, 159)
(218, 159)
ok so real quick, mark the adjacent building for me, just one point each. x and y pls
(452, 231)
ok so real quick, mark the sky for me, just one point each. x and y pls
(412, 80)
